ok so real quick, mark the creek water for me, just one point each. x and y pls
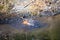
(17, 23)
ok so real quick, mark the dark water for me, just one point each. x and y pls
(16, 22)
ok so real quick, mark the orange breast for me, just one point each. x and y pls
(25, 22)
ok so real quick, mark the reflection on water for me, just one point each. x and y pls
(26, 23)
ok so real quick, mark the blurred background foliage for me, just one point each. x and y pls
(50, 33)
